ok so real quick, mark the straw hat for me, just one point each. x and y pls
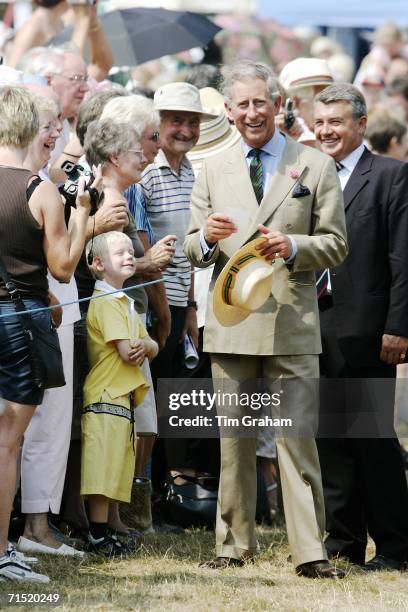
(180, 97)
(243, 285)
(305, 72)
(216, 134)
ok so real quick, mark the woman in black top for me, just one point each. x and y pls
(33, 237)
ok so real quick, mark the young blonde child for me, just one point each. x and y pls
(117, 346)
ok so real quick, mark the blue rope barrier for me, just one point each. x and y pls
(95, 297)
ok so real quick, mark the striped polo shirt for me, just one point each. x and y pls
(167, 195)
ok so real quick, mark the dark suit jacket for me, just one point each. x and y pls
(370, 287)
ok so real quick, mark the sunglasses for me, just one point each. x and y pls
(154, 137)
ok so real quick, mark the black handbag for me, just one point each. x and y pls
(193, 504)
(47, 369)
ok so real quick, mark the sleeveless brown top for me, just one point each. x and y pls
(21, 237)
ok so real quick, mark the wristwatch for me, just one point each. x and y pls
(192, 304)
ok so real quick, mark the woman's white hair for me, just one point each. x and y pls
(133, 109)
(105, 138)
(45, 105)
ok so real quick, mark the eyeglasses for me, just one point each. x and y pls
(138, 152)
(155, 136)
(76, 78)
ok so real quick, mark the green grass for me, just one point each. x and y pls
(164, 576)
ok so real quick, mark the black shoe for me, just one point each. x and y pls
(379, 563)
(132, 540)
(108, 546)
(221, 563)
(320, 569)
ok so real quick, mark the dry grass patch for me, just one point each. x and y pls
(164, 575)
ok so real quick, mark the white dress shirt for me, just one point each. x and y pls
(270, 156)
(349, 163)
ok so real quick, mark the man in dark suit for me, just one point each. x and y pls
(364, 322)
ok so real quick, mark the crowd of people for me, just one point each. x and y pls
(156, 218)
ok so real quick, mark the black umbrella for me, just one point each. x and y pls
(138, 35)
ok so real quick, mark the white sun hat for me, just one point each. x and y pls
(181, 97)
(243, 285)
(305, 72)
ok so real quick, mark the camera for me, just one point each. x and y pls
(290, 117)
(69, 190)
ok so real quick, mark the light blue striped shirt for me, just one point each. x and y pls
(137, 206)
(167, 195)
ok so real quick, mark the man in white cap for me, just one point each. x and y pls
(303, 78)
(167, 185)
(290, 195)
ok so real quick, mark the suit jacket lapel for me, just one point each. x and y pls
(281, 184)
(359, 178)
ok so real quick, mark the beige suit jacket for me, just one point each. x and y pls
(288, 323)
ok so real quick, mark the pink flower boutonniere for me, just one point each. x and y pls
(294, 173)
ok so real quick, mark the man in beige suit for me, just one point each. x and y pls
(297, 206)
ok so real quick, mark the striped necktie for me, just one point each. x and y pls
(256, 173)
(339, 166)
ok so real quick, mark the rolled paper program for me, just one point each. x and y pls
(191, 357)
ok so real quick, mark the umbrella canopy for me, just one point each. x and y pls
(138, 35)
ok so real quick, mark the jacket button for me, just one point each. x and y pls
(333, 274)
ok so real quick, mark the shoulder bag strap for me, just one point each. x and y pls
(35, 181)
(16, 299)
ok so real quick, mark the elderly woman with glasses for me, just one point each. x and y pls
(138, 111)
(117, 147)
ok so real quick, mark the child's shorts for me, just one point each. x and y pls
(108, 458)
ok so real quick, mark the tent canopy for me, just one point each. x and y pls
(347, 13)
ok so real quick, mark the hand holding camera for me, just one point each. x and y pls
(163, 251)
(289, 115)
(78, 174)
(287, 122)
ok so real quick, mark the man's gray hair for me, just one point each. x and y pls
(344, 92)
(46, 60)
(247, 69)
